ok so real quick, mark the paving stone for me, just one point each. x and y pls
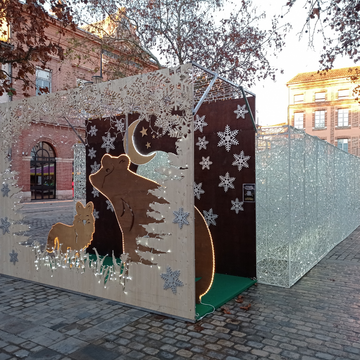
(92, 352)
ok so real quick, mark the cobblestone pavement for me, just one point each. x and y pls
(318, 318)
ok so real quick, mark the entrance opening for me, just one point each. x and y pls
(42, 172)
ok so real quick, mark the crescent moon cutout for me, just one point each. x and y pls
(134, 155)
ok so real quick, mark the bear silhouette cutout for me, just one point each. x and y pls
(129, 194)
(77, 236)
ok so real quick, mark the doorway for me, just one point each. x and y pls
(42, 172)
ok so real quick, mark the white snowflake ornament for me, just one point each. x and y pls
(109, 206)
(95, 192)
(5, 190)
(198, 190)
(199, 123)
(96, 214)
(227, 182)
(241, 160)
(171, 279)
(210, 217)
(237, 205)
(241, 111)
(202, 143)
(180, 217)
(95, 167)
(93, 130)
(227, 138)
(120, 126)
(108, 142)
(205, 163)
(92, 153)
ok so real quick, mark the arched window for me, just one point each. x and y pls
(42, 172)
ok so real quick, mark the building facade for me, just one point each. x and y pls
(323, 105)
(43, 155)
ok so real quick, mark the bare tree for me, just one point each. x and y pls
(175, 32)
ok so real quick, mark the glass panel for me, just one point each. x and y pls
(320, 119)
(343, 93)
(343, 117)
(299, 120)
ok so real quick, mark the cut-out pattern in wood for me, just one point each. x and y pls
(129, 194)
(77, 236)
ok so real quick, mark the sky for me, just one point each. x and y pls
(297, 57)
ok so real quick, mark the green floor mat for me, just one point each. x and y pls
(223, 289)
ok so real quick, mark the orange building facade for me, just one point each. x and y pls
(43, 154)
(324, 106)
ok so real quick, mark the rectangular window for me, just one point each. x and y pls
(43, 80)
(343, 94)
(320, 119)
(320, 96)
(343, 144)
(299, 120)
(343, 117)
(298, 98)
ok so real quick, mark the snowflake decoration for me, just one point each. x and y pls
(237, 205)
(210, 217)
(205, 163)
(95, 192)
(202, 143)
(13, 257)
(92, 153)
(5, 190)
(199, 123)
(120, 126)
(95, 167)
(171, 279)
(108, 142)
(93, 130)
(96, 214)
(227, 138)
(241, 160)
(241, 111)
(180, 217)
(198, 190)
(109, 206)
(5, 224)
(226, 182)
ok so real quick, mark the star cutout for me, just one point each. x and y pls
(205, 163)
(226, 182)
(241, 111)
(5, 190)
(198, 190)
(95, 167)
(171, 279)
(5, 224)
(120, 126)
(199, 123)
(241, 160)
(210, 217)
(96, 214)
(237, 205)
(148, 145)
(13, 257)
(92, 153)
(180, 217)
(93, 130)
(108, 142)
(202, 143)
(95, 192)
(143, 132)
(153, 136)
(109, 206)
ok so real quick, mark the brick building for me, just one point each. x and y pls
(324, 106)
(43, 154)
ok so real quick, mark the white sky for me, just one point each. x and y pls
(272, 97)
